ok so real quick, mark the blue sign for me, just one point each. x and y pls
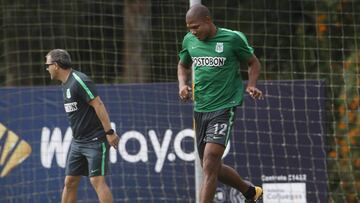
(277, 143)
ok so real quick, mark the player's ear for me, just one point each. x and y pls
(208, 19)
(56, 66)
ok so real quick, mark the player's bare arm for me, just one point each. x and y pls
(254, 72)
(101, 112)
(184, 73)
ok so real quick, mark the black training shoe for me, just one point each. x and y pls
(258, 195)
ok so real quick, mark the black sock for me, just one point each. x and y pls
(250, 193)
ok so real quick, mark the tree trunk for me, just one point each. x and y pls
(11, 71)
(137, 23)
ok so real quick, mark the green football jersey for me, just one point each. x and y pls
(216, 63)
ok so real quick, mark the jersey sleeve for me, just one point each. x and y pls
(243, 50)
(86, 88)
(184, 55)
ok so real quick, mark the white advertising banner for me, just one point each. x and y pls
(284, 193)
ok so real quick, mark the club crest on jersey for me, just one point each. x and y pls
(219, 47)
(68, 94)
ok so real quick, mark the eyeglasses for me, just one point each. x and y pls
(47, 65)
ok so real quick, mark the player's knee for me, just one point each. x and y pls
(210, 173)
(211, 158)
(211, 163)
(98, 181)
(71, 182)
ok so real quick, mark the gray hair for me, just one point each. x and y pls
(61, 57)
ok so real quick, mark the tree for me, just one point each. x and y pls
(136, 34)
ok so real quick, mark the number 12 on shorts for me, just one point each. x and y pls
(220, 129)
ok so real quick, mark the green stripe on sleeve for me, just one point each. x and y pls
(83, 85)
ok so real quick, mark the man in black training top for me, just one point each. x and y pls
(89, 120)
(214, 55)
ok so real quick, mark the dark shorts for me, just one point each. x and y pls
(213, 127)
(88, 159)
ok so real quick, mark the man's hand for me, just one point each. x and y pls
(113, 140)
(255, 93)
(184, 92)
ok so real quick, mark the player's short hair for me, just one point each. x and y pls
(198, 11)
(61, 57)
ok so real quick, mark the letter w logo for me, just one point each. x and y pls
(54, 145)
(13, 150)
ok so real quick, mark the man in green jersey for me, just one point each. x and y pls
(214, 55)
(89, 121)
